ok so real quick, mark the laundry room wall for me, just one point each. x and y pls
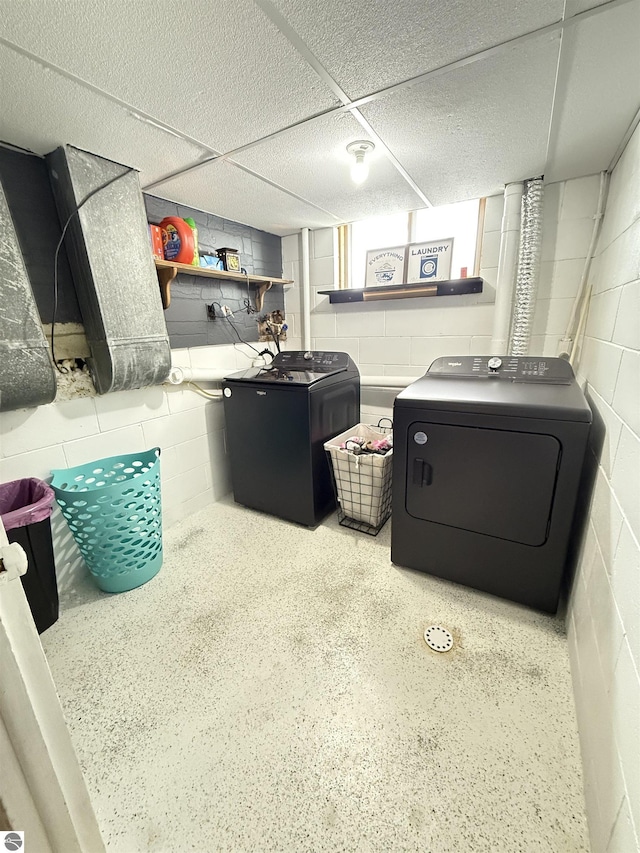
(402, 337)
(393, 338)
(604, 610)
(189, 430)
(568, 220)
(188, 427)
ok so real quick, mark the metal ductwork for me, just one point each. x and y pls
(114, 273)
(528, 266)
(27, 374)
(507, 267)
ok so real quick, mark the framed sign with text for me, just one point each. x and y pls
(385, 266)
(429, 261)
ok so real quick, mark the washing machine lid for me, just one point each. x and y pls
(297, 367)
(509, 386)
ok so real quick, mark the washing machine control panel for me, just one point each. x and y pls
(514, 368)
(317, 361)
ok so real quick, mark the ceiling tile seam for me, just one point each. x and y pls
(311, 59)
(233, 152)
(562, 82)
(136, 113)
(486, 53)
(302, 48)
(635, 121)
(395, 162)
(558, 100)
(276, 186)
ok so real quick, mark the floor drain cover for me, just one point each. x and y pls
(438, 639)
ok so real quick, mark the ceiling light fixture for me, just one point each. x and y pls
(360, 168)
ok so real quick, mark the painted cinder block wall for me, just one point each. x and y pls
(403, 337)
(604, 609)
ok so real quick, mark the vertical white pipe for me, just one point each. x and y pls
(305, 295)
(566, 345)
(507, 266)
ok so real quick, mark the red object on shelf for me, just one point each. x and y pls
(178, 240)
(157, 247)
(463, 272)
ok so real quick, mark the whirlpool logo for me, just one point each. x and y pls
(13, 841)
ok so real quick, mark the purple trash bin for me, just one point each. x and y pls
(25, 508)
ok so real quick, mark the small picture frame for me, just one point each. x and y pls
(230, 259)
(430, 261)
(385, 266)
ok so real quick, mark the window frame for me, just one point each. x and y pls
(345, 250)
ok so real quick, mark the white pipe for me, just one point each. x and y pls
(178, 375)
(507, 266)
(305, 293)
(566, 345)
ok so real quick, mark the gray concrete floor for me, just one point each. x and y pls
(270, 690)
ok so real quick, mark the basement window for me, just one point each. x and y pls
(460, 221)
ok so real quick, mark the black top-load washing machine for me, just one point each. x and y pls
(277, 420)
(488, 459)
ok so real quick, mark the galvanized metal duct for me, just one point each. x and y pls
(528, 266)
(113, 270)
(27, 375)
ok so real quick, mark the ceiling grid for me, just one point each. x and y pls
(253, 123)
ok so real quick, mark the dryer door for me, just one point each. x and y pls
(495, 482)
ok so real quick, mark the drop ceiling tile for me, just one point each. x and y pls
(466, 133)
(598, 91)
(574, 7)
(46, 110)
(312, 161)
(220, 72)
(367, 46)
(227, 190)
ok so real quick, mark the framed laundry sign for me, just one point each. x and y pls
(429, 261)
(385, 266)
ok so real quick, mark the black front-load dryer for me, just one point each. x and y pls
(488, 458)
(277, 420)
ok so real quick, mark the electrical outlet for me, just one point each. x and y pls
(226, 311)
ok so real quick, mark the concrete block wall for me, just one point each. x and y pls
(569, 210)
(186, 426)
(399, 338)
(187, 319)
(604, 609)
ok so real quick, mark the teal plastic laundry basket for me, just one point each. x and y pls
(113, 509)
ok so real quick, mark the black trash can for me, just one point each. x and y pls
(25, 508)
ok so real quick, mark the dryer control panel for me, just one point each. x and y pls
(556, 371)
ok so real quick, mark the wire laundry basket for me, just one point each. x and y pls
(362, 483)
(113, 509)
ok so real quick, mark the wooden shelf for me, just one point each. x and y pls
(168, 270)
(451, 287)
